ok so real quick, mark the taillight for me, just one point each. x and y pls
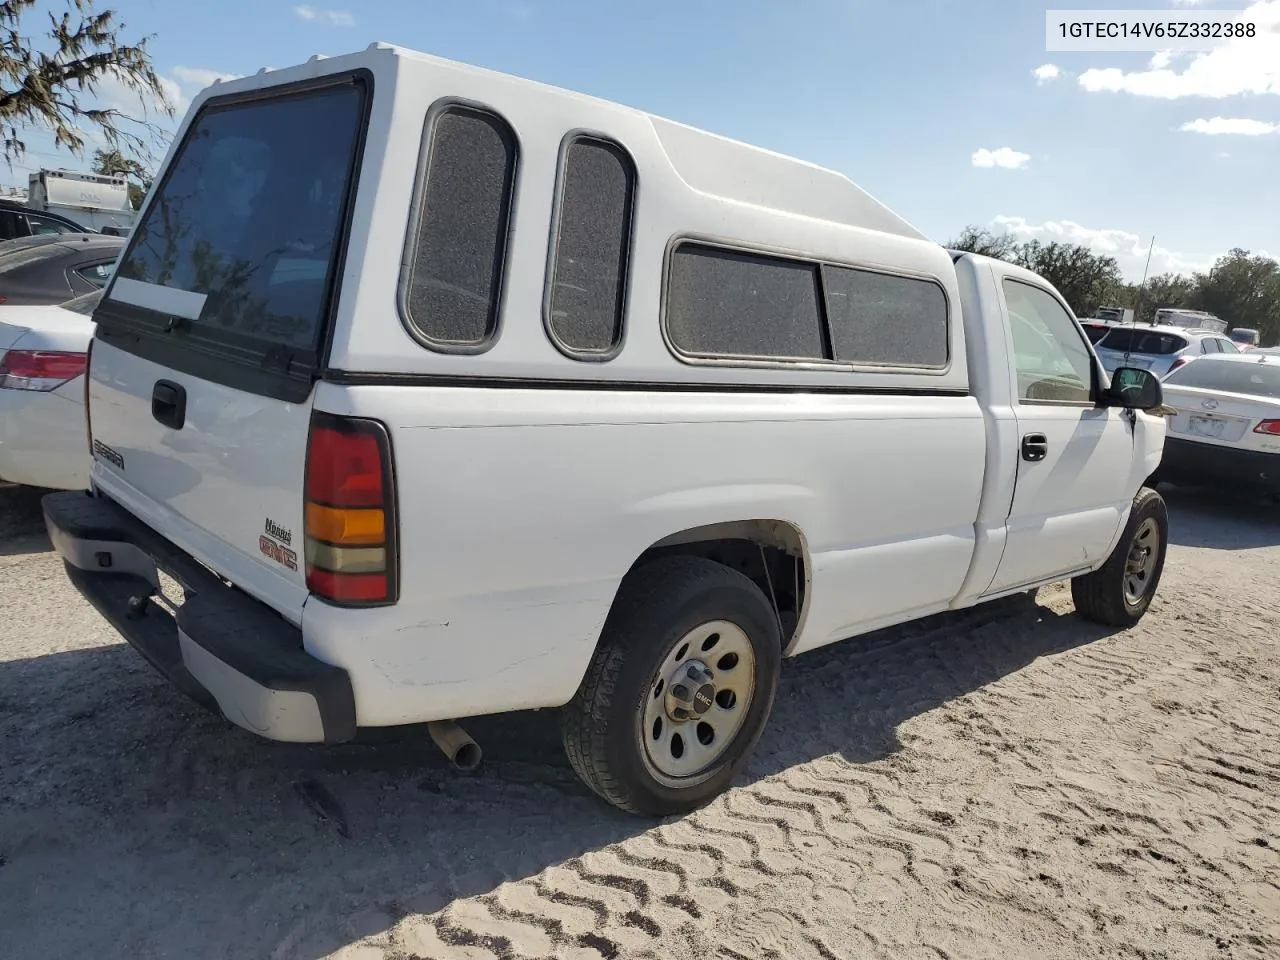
(350, 512)
(1269, 427)
(1178, 363)
(41, 370)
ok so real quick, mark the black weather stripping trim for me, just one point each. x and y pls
(352, 378)
(216, 363)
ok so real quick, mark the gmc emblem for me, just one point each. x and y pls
(281, 555)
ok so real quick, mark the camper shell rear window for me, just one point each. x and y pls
(231, 272)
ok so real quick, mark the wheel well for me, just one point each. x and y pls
(770, 552)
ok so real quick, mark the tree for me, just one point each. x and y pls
(112, 163)
(55, 84)
(984, 242)
(1086, 279)
(1243, 290)
(1164, 290)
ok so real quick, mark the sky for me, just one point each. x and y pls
(951, 112)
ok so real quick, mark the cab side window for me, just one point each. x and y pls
(39, 226)
(1051, 356)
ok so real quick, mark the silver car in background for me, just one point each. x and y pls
(1158, 348)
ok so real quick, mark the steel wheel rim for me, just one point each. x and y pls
(1140, 565)
(676, 750)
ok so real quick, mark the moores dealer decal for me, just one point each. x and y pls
(274, 543)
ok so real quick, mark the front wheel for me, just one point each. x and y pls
(1119, 592)
(679, 689)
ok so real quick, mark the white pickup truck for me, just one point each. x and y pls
(442, 393)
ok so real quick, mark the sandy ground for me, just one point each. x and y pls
(1008, 783)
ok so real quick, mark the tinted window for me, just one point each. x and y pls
(454, 279)
(590, 258)
(723, 303)
(1138, 340)
(1209, 345)
(251, 211)
(1095, 331)
(39, 225)
(98, 274)
(1050, 356)
(1258, 379)
(878, 318)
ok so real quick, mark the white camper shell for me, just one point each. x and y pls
(446, 393)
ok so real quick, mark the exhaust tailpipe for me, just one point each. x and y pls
(463, 752)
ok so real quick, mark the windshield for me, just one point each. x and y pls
(249, 215)
(1255, 379)
(1137, 340)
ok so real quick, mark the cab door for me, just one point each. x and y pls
(1075, 459)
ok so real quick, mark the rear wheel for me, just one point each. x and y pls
(1120, 591)
(679, 689)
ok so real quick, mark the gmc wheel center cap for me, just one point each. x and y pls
(703, 698)
(692, 692)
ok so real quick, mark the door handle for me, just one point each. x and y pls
(1035, 447)
(169, 404)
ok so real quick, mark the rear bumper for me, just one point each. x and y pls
(1212, 464)
(225, 649)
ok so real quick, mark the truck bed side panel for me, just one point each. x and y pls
(503, 602)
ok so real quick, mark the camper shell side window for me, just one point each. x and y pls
(589, 259)
(452, 273)
(724, 304)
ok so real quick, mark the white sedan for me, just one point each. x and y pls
(1226, 430)
(43, 438)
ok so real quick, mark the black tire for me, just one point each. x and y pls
(657, 604)
(1101, 596)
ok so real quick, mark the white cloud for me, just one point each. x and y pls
(1003, 157)
(199, 77)
(1235, 68)
(1129, 249)
(336, 18)
(1239, 126)
(1047, 72)
(180, 85)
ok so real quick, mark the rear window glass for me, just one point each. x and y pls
(1257, 379)
(1137, 340)
(251, 211)
(1095, 331)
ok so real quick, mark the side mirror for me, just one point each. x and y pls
(1134, 389)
